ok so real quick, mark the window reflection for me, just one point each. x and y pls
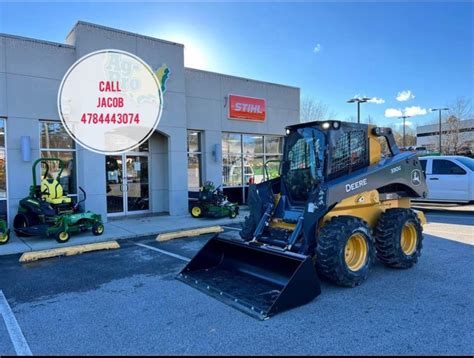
(56, 143)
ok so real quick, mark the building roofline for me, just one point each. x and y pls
(102, 27)
(44, 42)
(241, 78)
(461, 123)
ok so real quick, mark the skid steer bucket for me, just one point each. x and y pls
(256, 280)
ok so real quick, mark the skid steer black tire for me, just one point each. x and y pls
(331, 250)
(248, 228)
(388, 238)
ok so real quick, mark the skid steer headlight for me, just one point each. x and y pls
(326, 125)
(288, 131)
(336, 125)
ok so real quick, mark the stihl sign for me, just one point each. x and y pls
(247, 108)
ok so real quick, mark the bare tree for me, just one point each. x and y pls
(460, 109)
(314, 110)
(451, 140)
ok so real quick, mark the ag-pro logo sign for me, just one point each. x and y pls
(246, 108)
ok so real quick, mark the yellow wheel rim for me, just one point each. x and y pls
(408, 239)
(196, 211)
(63, 236)
(100, 229)
(356, 252)
(4, 238)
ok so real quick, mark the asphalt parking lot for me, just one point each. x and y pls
(127, 301)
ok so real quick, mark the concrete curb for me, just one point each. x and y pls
(113, 231)
(68, 251)
(188, 233)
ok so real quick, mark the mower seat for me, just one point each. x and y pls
(53, 192)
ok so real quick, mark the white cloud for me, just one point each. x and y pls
(376, 100)
(404, 96)
(415, 111)
(317, 48)
(408, 111)
(392, 112)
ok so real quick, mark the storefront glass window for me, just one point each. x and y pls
(253, 144)
(273, 145)
(194, 160)
(232, 170)
(3, 171)
(56, 143)
(231, 143)
(244, 157)
(143, 147)
(253, 169)
(54, 136)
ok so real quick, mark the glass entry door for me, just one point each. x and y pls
(127, 184)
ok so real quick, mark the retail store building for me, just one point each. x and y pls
(214, 127)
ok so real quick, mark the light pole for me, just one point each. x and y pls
(359, 101)
(404, 117)
(439, 111)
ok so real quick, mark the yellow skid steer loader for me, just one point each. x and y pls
(337, 205)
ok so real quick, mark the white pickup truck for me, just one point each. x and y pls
(449, 178)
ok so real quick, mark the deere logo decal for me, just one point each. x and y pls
(356, 185)
(163, 74)
(416, 177)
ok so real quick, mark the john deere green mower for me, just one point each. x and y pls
(48, 211)
(212, 203)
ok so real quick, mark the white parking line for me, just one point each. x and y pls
(16, 335)
(163, 252)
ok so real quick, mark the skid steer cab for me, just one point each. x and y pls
(48, 211)
(337, 206)
(212, 203)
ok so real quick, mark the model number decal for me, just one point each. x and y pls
(395, 169)
(356, 185)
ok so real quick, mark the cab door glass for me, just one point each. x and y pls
(423, 166)
(446, 167)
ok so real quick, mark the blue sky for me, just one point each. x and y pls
(332, 51)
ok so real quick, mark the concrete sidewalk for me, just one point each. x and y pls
(119, 229)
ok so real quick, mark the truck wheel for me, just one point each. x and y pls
(98, 228)
(196, 211)
(399, 238)
(232, 213)
(344, 252)
(62, 237)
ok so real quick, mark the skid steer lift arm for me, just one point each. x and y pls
(388, 135)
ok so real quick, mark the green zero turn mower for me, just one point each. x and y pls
(47, 211)
(212, 203)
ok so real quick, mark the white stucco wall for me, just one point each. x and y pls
(207, 110)
(30, 74)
